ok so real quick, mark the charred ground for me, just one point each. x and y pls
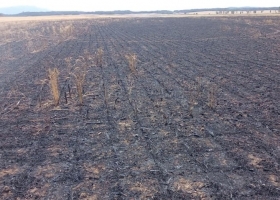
(199, 119)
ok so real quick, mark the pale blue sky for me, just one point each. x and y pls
(135, 5)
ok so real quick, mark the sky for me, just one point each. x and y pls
(135, 5)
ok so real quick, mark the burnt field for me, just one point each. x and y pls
(170, 108)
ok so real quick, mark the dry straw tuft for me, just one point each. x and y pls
(132, 59)
(212, 96)
(80, 76)
(53, 76)
(99, 57)
(79, 79)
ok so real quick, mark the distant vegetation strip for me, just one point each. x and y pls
(50, 13)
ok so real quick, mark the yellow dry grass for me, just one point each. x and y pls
(79, 76)
(132, 59)
(53, 76)
(99, 57)
(212, 97)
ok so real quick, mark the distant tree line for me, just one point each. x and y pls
(231, 10)
(86, 13)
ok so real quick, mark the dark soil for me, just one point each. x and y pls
(153, 134)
